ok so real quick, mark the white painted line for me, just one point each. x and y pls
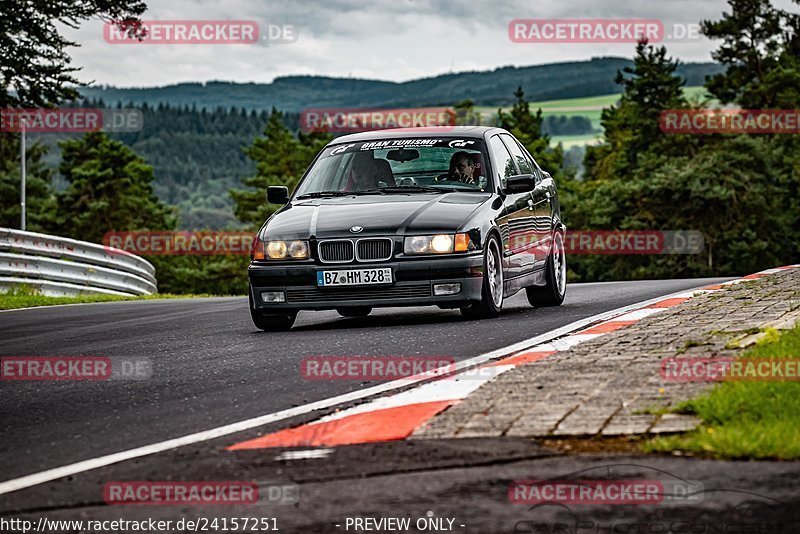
(247, 424)
(566, 343)
(447, 389)
(685, 295)
(310, 454)
(637, 315)
(544, 347)
(733, 282)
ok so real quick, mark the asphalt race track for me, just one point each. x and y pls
(211, 367)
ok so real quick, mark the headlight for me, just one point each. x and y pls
(442, 243)
(436, 244)
(279, 250)
(298, 249)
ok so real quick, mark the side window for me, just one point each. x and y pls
(522, 162)
(537, 172)
(501, 159)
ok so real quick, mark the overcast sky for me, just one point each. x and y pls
(379, 39)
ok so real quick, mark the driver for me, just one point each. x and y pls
(462, 168)
(362, 173)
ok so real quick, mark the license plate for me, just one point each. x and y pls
(354, 277)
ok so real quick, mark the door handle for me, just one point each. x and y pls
(547, 195)
(530, 204)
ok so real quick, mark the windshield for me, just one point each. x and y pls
(398, 165)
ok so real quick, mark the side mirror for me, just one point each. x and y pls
(277, 194)
(521, 183)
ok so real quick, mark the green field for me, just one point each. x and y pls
(589, 107)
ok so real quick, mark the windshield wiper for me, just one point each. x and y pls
(318, 194)
(408, 188)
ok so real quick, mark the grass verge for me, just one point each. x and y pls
(28, 298)
(745, 419)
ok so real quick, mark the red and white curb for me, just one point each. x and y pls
(397, 416)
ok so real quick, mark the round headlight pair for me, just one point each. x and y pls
(429, 244)
(278, 250)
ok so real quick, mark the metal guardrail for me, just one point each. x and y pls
(61, 266)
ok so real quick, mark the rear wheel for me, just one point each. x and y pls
(271, 323)
(553, 292)
(358, 311)
(492, 291)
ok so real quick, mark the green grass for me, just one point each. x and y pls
(28, 298)
(568, 141)
(589, 107)
(745, 419)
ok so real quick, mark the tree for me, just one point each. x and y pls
(466, 114)
(110, 189)
(527, 127)
(761, 50)
(280, 160)
(632, 126)
(35, 63)
(761, 68)
(39, 200)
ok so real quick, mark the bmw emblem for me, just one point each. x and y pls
(356, 229)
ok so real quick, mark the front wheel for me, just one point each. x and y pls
(492, 290)
(271, 323)
(553, 292)
(274, 323)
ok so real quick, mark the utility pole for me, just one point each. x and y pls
(22, 178)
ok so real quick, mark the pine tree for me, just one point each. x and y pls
(280, 160)
(39, 199)
(110, 189)
(631, 128)
(527, 127)
(35, 61)
(759, 72)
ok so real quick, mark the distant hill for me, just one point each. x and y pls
(575, 79)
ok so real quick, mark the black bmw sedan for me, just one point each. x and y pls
(458, 217)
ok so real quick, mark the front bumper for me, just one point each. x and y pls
(413, 284)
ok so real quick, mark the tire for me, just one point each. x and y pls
(271, 323)
(554, 291)
(491, 302)
(359, 311)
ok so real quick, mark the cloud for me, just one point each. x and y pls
(380, 39)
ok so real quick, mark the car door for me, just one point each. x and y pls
(515, 211)
(530, 225)
(541, 223)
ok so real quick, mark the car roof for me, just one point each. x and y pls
(470, 132)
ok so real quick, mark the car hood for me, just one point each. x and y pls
(389, 214)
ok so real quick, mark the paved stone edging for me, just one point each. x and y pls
(604, 386)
